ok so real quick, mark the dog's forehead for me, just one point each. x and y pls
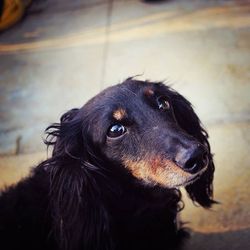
(131, 90)
(127, 96)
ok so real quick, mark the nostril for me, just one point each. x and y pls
(196, 163)
(191, 165)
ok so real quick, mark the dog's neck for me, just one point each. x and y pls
(138, 212)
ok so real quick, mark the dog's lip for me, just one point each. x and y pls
(197, 176)
(194, 179)
(188, 182)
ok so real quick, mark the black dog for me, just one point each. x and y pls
(112, 181)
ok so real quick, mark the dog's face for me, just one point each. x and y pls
(138, 125)
(144, 128)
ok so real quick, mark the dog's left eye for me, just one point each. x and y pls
(116, 130)
(163, 103)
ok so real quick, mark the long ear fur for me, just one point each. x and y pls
(202, 190)
(79, 216)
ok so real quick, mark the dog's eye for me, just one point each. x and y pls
(163, 103)
(116, 130)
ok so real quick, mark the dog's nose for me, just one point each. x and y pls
(193, 159)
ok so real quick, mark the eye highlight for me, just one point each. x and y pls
(116, 130)
(163, 103)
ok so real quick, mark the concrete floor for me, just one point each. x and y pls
(64, 52)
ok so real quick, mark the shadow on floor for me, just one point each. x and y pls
(233, 240)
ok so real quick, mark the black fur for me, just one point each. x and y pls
(83, 197)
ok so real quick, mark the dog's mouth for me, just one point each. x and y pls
(189, 182)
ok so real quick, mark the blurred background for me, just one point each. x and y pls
(56, 54)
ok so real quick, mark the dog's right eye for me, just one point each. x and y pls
(116, 130)
(163, 103)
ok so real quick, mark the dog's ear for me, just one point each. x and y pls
(75, 197)
(65, 136)
(202, 190)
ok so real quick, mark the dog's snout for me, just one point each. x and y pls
(193, 159)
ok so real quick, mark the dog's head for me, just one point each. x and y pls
(149, 129)
(144, 128)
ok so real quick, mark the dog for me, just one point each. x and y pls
(112, 181)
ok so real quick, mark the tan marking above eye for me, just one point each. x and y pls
(119, 114)
(156, 171)
(148, 92)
